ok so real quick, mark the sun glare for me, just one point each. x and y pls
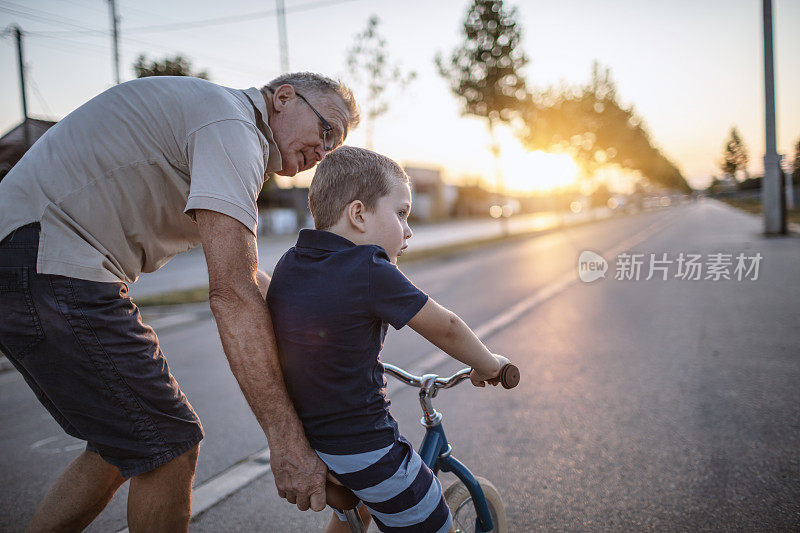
(526, 172)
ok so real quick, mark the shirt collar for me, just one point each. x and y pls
(274, 162)
(323, 240)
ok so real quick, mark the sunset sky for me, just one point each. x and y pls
(691, 69)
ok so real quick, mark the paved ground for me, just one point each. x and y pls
(667, 405)
(188, 270)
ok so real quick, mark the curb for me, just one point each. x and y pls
(5, 364)
(166, 318)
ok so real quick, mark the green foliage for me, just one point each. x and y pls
(484, 71)
(369, 66)
(589, 123)
(170, 66)
(734, 156)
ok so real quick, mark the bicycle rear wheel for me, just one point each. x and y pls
(464, 515)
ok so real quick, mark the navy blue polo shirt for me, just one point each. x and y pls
(330, 302)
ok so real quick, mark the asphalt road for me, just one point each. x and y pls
(667, 405)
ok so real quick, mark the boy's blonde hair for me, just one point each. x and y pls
(347, 174)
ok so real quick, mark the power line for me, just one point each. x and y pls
(255, 15)
(236, 18)
(226, 62)
(45, 16)
(38, 93)
(87, 46)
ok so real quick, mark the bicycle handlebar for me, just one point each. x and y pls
(509, 377)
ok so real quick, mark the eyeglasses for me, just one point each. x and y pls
(327, 129)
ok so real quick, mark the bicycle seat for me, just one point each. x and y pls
(340, 497)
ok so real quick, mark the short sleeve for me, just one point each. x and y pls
(392, 296)
(226, 161)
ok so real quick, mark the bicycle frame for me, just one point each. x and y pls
(435, 452)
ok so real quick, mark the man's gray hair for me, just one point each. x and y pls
(347, 174)
(316, 87)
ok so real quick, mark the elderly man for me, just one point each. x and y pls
(140, 173)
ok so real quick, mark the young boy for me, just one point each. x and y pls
(331, 298)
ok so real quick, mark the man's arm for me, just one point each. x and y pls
(263, 279)
(248, 339)
(445, 330)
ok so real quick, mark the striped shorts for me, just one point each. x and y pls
(400, 491)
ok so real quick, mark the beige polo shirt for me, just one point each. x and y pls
(114, 184)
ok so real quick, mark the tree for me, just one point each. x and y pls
(734, 156)
(796, 165)
(484, 72)
(170, 66)
(368, 64)
(590, 124)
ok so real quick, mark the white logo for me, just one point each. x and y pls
(591, 266)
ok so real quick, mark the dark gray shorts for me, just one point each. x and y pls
(83, 349)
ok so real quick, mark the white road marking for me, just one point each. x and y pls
(211, 492)
(437, 357)
(48, 440)
(219, 487)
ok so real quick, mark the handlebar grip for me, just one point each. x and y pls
(509, 376)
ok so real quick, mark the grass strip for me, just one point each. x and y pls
(753, 205)
(186, 296)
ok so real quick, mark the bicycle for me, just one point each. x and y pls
(468, 496)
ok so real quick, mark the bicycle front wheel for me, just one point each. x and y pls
(464, 515)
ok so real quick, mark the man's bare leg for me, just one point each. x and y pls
(160, 500)
(82, 490)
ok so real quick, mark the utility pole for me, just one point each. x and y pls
(112, 4)
(281, 11)
(25, 128)
(771, 190)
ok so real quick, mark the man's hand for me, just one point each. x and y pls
(299, 474)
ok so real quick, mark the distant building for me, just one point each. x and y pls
(282, 211)
(12, 144)
(433, 200)
(473, 201)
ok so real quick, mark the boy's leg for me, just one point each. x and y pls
(160, 500)
(396, 485)
(82, 490)
(337, 525)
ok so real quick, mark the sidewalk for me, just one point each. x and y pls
(188, 270)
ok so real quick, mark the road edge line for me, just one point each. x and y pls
(212, 491)
(562, 283)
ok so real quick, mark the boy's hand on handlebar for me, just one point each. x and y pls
(491, 374)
